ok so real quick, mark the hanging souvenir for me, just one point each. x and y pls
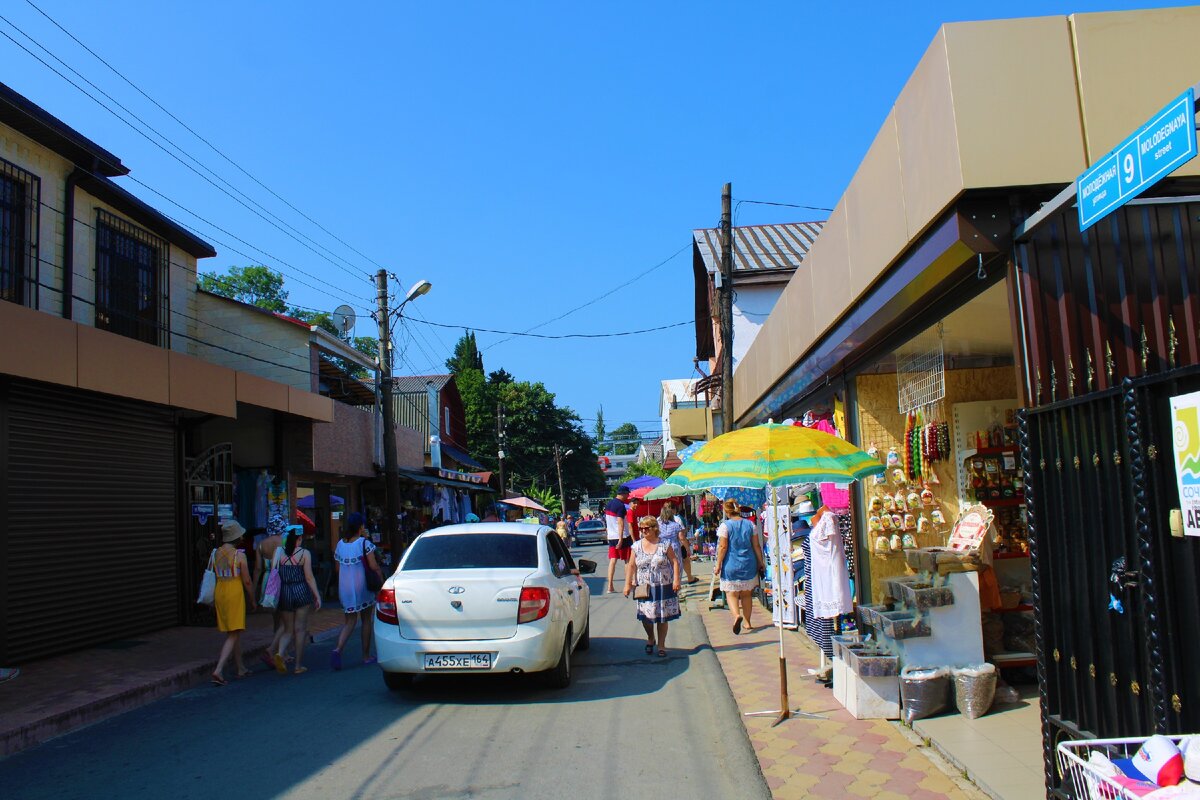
(874, 525)
(899, 503)
(896, 543)
(937, 517)
(914, 501)
(873, 451)
(893, 458)
(898, 477)
(886, 522)
(922, 524)
(897, 522)
(926, 497)
(889, 503)
(908, 542)
(906, 456)
(881, 544)
(876, 504)
(910, 522)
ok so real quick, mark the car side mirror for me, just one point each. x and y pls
(587, 567)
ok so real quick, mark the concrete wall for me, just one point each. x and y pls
(261, 344)
(752, 307)
(346, 446)
(1005, 103)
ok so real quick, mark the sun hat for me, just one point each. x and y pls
(1190, 747)
(231, 531)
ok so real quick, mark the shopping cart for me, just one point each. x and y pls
(1083, 780)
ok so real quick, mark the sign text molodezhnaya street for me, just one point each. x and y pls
(1152, 152)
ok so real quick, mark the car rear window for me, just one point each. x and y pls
(472, 551)
(594, 524)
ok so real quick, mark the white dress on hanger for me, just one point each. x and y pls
(828, 577)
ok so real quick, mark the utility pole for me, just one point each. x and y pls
(726, 315)
(562, 496)
(500, 446)
(391, 469)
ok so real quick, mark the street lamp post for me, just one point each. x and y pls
(558, 457)
(391, 467)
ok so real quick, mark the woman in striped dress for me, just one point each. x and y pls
(297, 596)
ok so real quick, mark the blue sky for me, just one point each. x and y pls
(526, 158)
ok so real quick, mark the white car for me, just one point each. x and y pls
(483, 597)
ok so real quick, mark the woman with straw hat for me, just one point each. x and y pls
(233, 592)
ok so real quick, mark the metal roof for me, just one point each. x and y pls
(411, 384)
(759, 247)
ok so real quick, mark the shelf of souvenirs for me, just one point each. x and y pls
(1003, 502)
(1006, 555)
(963, 455)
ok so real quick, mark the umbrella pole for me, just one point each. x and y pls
(785, 709)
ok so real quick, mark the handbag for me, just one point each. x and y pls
(641, 591)
(271, 592)
(208, 584)
(374, 579)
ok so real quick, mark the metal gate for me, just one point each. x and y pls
(208, 479)
(1117, 608)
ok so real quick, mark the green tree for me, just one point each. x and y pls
(547, 496)
(466, 355)
(598, 433)
(626, 439)
(639, 468)
(257, 285)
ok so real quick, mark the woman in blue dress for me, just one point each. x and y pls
(739, 562)
(655, 567)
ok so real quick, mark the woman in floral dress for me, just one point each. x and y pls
(656, 567)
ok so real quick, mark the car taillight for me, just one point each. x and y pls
(385, 606)
(535, 603)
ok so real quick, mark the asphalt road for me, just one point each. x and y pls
(630, 726)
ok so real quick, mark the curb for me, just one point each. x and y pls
(60, 724)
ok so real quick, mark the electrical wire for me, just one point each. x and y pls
(517, 334)
(782, 205)
(181, 161)
(190, 130)
(603, 296)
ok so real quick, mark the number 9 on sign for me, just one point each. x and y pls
(1127, 166)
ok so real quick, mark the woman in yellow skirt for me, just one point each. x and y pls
(233, 592)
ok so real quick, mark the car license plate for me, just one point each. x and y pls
(458, 660)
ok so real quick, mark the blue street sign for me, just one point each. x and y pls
(1152, 152)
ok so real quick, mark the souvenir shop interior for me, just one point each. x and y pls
(934, 549)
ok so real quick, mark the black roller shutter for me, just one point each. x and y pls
(89, 497)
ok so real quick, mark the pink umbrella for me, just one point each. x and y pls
(525, 502)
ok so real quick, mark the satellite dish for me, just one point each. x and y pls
(344, 319)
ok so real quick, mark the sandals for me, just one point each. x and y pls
(245, 674)
(662, 653)
(693, 579)
(299, 670)
(280, 664)
(371, 660)
(650, 648)
(217, 680)
(737, 626)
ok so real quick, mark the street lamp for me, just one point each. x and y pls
(391, 466)
(558, 457)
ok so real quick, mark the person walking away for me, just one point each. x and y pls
(652, 575)
(739, 562)
(297, 596)
(620, 537)
(563, 532)
(354, 555)
(671, 531)
(264, 556)
(233, 592)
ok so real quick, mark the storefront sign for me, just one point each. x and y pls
(1185, 424)
(779, 564)
(202, 511)
(224, 512)
(970, 529)
(465, 477)
(1152, 152)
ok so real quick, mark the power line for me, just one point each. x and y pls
(516, 334)
(770, 203)
(189, 129)
(609, 293)
(174, 156)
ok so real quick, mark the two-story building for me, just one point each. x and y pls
(131, 415)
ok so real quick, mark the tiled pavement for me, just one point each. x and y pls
(838, 756)
(60, 694)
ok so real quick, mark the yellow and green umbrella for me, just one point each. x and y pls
(774, 455)
(668, 490)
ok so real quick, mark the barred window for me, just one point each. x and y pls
(132, 281)
(20, 198)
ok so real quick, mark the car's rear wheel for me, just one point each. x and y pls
(397, 681)
(560, 676)
(585, 641)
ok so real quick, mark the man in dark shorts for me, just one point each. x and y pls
(620, 535)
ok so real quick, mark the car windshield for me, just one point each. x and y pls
(472, 551)
(591, 524)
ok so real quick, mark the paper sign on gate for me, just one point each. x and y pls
(1185, 426)
(778, 529)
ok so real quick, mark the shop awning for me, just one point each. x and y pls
(421, 477)
(460, 456)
